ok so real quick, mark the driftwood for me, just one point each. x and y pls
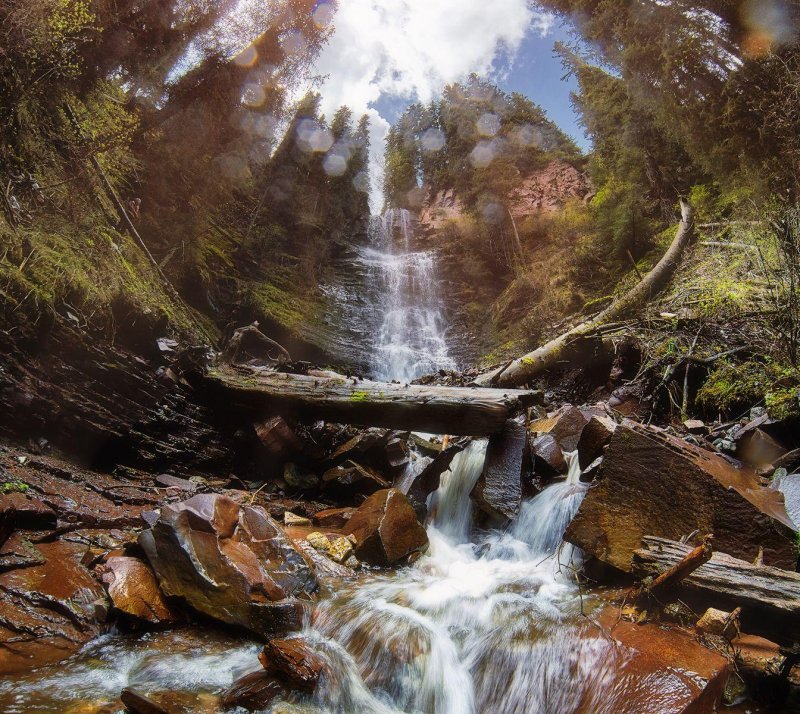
(523, 370)
(757, 586)
(253, 342)
(460, 411)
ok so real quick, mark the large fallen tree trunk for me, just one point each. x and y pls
(568, 345)
(757, 586)
(467, 411)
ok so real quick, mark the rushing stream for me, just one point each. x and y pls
(486, 621)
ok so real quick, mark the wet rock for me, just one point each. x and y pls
(594, 438)
(229, 562)
(137, 703)
(28, 513)
(253, 692)
(651, 483)
(350, 477)
(498, 491)
(695, 426)
(337, 548)
(278, 438)
(565, 425)
(292, 519)
(386, 529)
(663, 669)
(333, 517)
(548, 456)
(46, 609)
(364, 442)
(396, 450)
(324, 567)
(134, 591)
(293, 661)
(179, 484)
(718, 622)
(758, 448)
(297, 478)
(424, 483)
(789, 486)
(589, 474)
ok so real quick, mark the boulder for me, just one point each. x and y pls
(396, 450)
(364, 442)
(137, 703)
(134, 591)
(332, 517)
(47, 608)
(565, 425)
(350, 478)
(230, 562)
(651, 483)
(594, 438)
(293, 661)
(498, 491)
(278, 438)
(424, 483)
(253, 692)
(548, 456)
(657, 669)
(695, 426)
(789, 486)
(386, 529)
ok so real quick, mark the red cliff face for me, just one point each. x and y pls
(544, 191)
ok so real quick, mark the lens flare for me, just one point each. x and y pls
(770, 24)
(488, 124)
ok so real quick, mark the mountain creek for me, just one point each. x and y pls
(382, 569)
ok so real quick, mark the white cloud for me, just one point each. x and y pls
(411, 49)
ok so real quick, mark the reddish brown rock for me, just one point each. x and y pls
(332, 517)
(659, 670)
(137, 703)
(133, 590)
(548, 456)
(278, 438)
(594, 438)
(651, 483)
(28, 513)
(230, 562)
(565, 425)
(350, 477)
(364, 442)
(498, 491)
(293, 661)
(429, 477)
(253, 692)
(47, 608)
(386, 529)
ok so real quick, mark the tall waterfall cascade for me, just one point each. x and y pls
(407, 310)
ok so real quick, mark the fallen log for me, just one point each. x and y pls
(675, 575)
(567, 346)
(459, 411)
(757, 586)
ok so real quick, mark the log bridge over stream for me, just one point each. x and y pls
(459, 411)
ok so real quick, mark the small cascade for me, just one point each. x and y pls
(490, 625)
(406, 309)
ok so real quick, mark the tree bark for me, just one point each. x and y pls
(683, 568)
(523, 370)
(756, 586)
(461, 411)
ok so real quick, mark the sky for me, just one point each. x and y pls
(384, 55)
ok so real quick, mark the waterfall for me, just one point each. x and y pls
(406, 309)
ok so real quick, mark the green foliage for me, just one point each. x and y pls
(734, 387)
(14, 486)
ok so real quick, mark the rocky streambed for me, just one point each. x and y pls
(384, 571)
